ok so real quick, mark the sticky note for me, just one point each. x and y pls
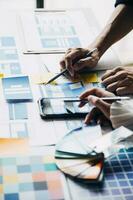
(1, 75)
(44, 78)
(17, 89)
(13, 146)
(89, 78)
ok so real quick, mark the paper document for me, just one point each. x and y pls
(68, 32)
(17, 89)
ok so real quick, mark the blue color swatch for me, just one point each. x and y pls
(17, 89)
(118, 179)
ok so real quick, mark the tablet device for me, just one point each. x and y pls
(58, 108)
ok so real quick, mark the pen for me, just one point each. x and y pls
(65, 70)
(117, 98)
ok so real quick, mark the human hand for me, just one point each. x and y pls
(119, 80)
(101, 109)
(75, 60)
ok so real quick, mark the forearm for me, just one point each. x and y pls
(119, 24)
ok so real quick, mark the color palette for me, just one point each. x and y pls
(77, 141)
(118, 180)
(86, 170)
(76, 159)
(33, 177)
(81, 155)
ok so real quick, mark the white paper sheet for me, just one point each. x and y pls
(42, 28)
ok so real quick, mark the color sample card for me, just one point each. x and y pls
(88, 170)
(109, 143)
(18, 111)
(30, 177)
(81, 156)
(76, 159)
(118, 180)
(13, 146)
(17, 89)
(77, 140)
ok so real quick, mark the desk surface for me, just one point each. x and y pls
(30, 65)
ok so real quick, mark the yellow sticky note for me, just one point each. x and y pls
(1, 75)
(89, 78)
(44, 78)
(13, 146)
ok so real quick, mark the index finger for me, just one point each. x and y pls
(118, 76)
(94, 91)
(112, 72)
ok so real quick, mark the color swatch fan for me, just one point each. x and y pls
(74, 157)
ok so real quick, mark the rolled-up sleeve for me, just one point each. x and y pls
(121, 114)
(126, 2)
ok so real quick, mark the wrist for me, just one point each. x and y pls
(100, 48)
(103, 41)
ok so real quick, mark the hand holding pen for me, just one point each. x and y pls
(102, 107)
(78, 59)
(68, 67)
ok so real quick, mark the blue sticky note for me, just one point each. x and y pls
(17, 89)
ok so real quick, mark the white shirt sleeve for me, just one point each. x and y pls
(121, 114)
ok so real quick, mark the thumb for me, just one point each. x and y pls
(102, 105)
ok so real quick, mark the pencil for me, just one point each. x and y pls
(55, 77)
(65, 70)
(117, 98)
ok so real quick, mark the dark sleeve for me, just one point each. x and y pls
(126, 2)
